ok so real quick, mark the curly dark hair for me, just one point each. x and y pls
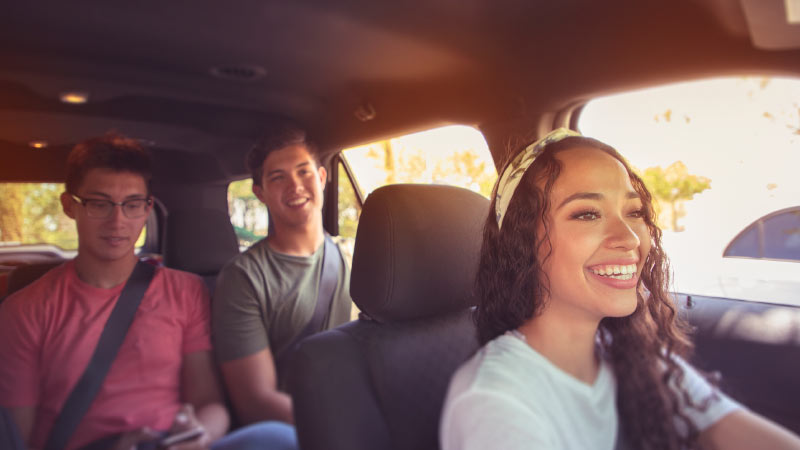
(512, 288)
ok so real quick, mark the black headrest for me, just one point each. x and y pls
(199, 240)
(416, 251)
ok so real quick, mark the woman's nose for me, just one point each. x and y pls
(621, 235)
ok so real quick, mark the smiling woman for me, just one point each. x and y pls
(583, 347)
(718, 155)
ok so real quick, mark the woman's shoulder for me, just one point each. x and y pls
(500, 366)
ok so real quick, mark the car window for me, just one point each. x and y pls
(746, 244)
(717, 155)
(30, 214)
(251, 222)
(248, 215)
(454, 155)
(349, 205)
(782, 236)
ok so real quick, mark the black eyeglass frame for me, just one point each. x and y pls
(83, 201)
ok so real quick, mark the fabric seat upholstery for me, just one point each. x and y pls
(200, 241)
(26, 274)
(380, 382)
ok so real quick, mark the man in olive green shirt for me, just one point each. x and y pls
(266, 296)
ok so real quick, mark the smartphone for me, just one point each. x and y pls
(182, 436)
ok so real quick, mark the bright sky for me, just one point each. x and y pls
(742, 133)
(433, 145)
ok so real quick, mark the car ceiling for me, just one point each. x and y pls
(199, 81)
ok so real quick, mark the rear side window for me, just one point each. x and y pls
(454, 155)
(30, 213)
(248, 215)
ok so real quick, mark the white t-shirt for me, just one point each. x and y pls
(508, 396)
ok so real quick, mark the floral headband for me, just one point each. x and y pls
(510, 178)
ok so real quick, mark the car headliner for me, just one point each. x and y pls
(199, 81)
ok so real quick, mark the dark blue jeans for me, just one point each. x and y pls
(262, 435)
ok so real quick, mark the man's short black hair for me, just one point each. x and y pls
(278, 137)
(110, 151)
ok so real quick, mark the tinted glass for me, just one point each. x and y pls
(782, 236)
(745, 244)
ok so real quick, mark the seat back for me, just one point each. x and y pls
(200, 241)
(26, 274)
(380, 382)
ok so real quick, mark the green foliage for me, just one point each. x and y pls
(248, 214)
(31, 213)
(670, 187)
(349, 208)
(246, 235)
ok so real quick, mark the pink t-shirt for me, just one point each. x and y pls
(49, 330)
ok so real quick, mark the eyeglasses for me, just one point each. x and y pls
(102, 209)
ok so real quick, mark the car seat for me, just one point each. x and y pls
(26, 274)
(200, 241)
(379, 382)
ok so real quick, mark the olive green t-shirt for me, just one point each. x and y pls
(264, 299)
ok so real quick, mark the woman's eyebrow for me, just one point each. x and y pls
(580, 196)
(592, 196)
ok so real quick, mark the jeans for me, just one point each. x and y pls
(262, 435)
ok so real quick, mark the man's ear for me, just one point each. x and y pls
(68, 205)
(323, 175)
(258, 191)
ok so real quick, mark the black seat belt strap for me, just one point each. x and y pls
(329, 278)
(114, 331)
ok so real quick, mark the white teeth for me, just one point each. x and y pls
(626, 276)
(625, 272)
(296, 202)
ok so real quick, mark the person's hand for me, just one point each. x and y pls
(129, 440)
(186, 420)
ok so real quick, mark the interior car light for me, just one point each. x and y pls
(792, 11)
(74, 97)
(37, 144)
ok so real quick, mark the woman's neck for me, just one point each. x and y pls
(566, 342)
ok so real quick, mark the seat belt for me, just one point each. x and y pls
(111, 338)
(328, 279)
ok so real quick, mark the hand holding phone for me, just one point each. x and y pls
(185, 429)
(181, 436)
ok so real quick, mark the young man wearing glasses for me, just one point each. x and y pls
(162, 379)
